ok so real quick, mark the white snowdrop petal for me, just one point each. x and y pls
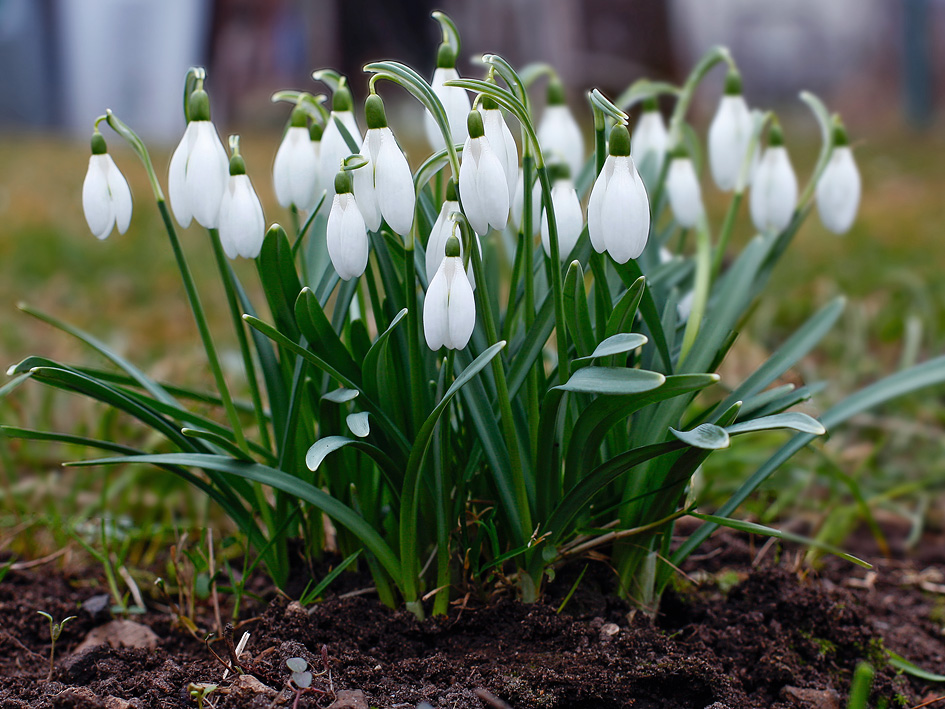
(176, 177)
(774, 191)
(364, 184)
(728, 140)
(435, 322)
(354, 241)
(493, 190)
(120, 195)
(98, 208)
(295, 170)
(503, 145)
(456, 104)
(559, 134)
(241, 217)
(685, 196)
(461, 309)
(648, 146)
(439, 232)
(332, 151)
(206, 175)
(394, 185)
(625, 215)
(595, 226)
(838, 191)
(473, 207)
(569, 218)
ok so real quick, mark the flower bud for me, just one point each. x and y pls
(838, 189)
(106, 198)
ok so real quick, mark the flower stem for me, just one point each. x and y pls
(413, 333)
(701, 288)
(202, 325)
(229, 284)
(557, 287)
(726, 233)
(441, 603)
(528, 166)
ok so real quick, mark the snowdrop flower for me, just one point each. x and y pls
(384, 186)
(199, 168)
(568, 216)
(346, 233)
(650, 141)
(501, 140)
(106, 198)
(774, 186)
(618, 213)
(454, 99)
(518, 201)
(482, 184)
(242, 227)
(838, 189)
(682, 186)
(295, 171)
(729, 134)
(441, 230)
(334, 148)
(558, 133)
(449, 309)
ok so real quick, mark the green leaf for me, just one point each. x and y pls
(320, 450)
(576, 313)
(358, 424)
(706, 436)
(642, 89)
(612, 380)
(280, 281)
(826, 146)
(753, 528)
(322, 338)
(220, 442)
(794, 420)
(616, 344)
(340, 396)
(901, 663)
(309, 597)
(621, 318)
(13, 384)
(373, 360)
(339, 512)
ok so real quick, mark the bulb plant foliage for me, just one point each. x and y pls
(468, 400)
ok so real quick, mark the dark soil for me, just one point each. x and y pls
(739, 634)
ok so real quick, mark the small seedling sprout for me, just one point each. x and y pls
(55, 630)
(199, 692)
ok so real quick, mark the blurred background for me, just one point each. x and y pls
(880, 63)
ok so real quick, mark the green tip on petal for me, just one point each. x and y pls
(341, 100)
(451, 192)
(679, 151)
(315, 132)
(840, 137)
(775, 135)
(343, 182)
(650, 105)
(237, 165)
(733, 83)
(555, 92)
(374, 112)
(199, 106)
(98, 144)
(474, 124)
(559, 171)
(445, 57)
(452, 246)
(619, 141)
(299, 118)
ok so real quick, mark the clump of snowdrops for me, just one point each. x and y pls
(492, 363)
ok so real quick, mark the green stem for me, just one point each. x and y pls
(229, 285)
(202, 325)
(413, 333)
(528, 243)
(701, 288)
(557, 287)
(726, 234)
(505, 403)
(441, 603)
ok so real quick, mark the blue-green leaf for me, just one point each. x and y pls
(612, 380)
(706, 436)
(794, 420)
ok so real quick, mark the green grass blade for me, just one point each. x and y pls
(309, 597)
(322, 337)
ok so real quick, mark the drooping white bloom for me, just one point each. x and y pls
(295, 170)
(729, 135)
(449, 309)
(242, 227)
(685, 195)
(482, 185)
(334, 148)
(106, 198)
(649, 143)
(568, 217)
(455, 101)
(838, 189)
(502, 142)
(558, 133)
(384, 186)
(774, 187)
(518, 202)
(440, 232)
(618, 213)
(198, 174)
(346, 233)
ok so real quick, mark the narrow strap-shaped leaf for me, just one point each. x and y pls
(753, 528)
(341, 513)
(359, 424)
(630, 273)
(524, 357)
(576, 312)
(786, 401)
(794, 420)
(13, 384)
(218, 441)
(322, 337)
(327, 445)
(155, 389)
(612, 380)
(374, 356)
(707, 436)
(620, 343)
(923, 375)
(621, 318)
(280, 281)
